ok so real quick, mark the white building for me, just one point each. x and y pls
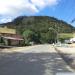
(73, 39)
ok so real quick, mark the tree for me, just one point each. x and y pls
(53, 35)
(36, 28)
(27, 34)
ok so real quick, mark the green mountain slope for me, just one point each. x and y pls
(41, 29)
(41, 23)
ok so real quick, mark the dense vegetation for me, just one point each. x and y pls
(40, 29)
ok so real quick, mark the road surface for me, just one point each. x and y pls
(38, 60)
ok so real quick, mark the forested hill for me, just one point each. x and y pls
(40, 24)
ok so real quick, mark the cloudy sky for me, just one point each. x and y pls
(61, 9)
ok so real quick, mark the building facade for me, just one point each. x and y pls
(9, 37)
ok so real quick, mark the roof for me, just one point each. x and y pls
(13, 37)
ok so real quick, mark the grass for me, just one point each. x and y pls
(65, 35)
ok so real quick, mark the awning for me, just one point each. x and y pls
(12, 38)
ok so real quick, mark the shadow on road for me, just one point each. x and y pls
(68, 58)
(31, 64)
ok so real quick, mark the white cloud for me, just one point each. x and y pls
(15, 8)
(4, 20)
(43, 3)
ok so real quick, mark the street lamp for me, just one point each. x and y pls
(55, 32)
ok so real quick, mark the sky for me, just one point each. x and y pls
(60, 9)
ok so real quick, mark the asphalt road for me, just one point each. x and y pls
(39, 60)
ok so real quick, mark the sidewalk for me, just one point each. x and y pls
(15, 49)
(66, 50)
(68, 54)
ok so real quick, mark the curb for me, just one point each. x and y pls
(64, 58)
